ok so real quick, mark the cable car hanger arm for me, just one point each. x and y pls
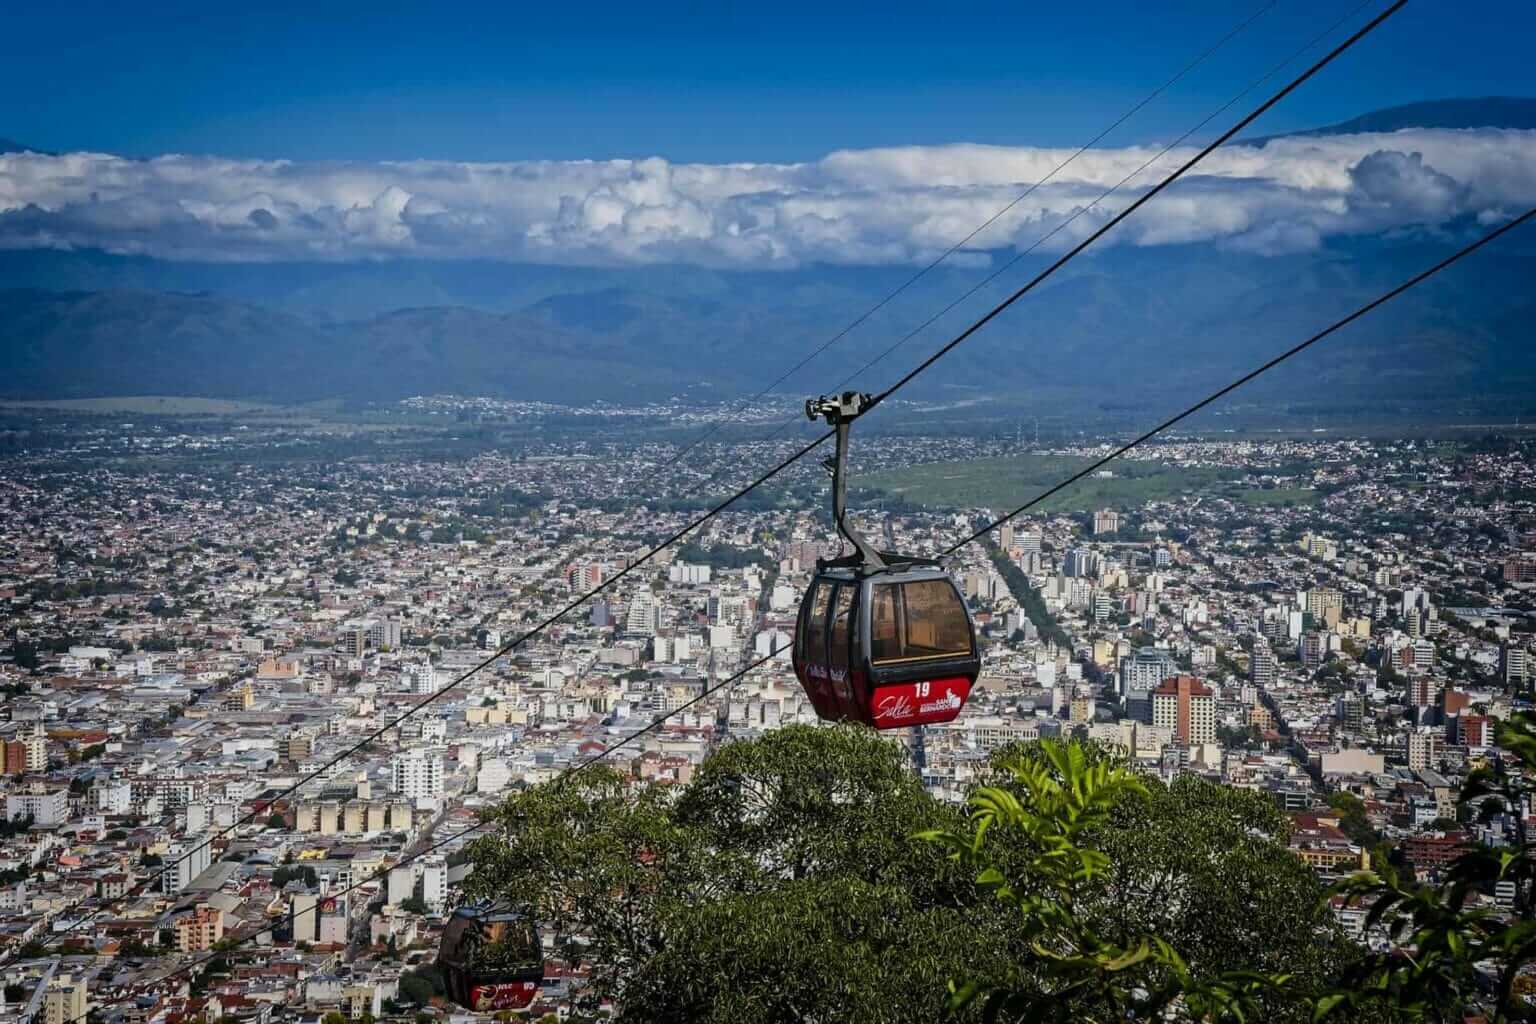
(840, 411)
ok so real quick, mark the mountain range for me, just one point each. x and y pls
(1121, 328)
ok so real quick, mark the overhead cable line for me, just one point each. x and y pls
(383, 872)
(1066, 222)
(1245, 378)
(784, 463)
(656, 722)
(500, 652)
(1199, 59)
(1139, 202)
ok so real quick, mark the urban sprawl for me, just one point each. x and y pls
(184, 643)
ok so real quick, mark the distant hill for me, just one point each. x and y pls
(83, 344)
(1513, 112)
(1485, 112)
(1125, 330)
(1122, 329)
(12, 146)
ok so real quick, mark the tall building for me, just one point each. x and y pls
(1514, 664)
(1520, 569)
(45, 805)
(1106, 521)
(1263, 666)
(1313, 649)
(353, 642)
(1187, 707)
(1325, 606)
(1082, 563)
(434, 884)
(385, 634)
(1423, 691)
(1103, 606)
(643, 617)
(200, 929)
(418, 775)
(64, 1000)
(299, 746)
(35, 745)
(1349, 709)
(184, 861)
(1144, 671)
(418, 677)
(240, 697)
(1425, 747)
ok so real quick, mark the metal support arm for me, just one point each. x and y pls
(840, 411)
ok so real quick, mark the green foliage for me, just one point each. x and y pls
(1205, 867)
(781, 884)
(720, 556)
(1058, 798)
(422, 984)
(1352, 819)
(784, 883)
(1466, 953)
(414, 905)
(15, 826)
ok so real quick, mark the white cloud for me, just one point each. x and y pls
(898, 205)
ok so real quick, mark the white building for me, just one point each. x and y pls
(44, 806)
(434, 884)
(681, 572)
(418, 677)
(418, 775)
(494, 776)
(184, 861)
(402, 884)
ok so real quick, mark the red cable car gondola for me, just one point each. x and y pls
(491, 958)
(882, 638)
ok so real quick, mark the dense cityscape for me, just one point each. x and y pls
(187, 647)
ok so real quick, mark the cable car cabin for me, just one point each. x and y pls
(891, 649)
(491, 958)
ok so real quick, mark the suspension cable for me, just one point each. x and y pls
(657, 721)
(784, 464)
(1245, 378)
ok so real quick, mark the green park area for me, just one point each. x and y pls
(1009, 482)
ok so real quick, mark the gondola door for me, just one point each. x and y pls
(810, 650)
(840, 634)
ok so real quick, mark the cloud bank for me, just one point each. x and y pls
(880, 206)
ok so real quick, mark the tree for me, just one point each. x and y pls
(805, 833)
(1031, 843)
(784, 883)
(422, 984)
(1206, 867)
(1352, 819)
(276, 820)
(414, 905)
(1467, 959)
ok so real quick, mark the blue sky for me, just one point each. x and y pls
(758, 82)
